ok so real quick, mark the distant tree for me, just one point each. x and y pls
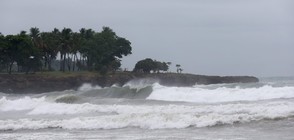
(12, 52)
(114, 65)
(169, 64)
(3, 52)
(86, 49)
(164, 67)
(160, 66)
(29, 55)
(148, 64)
(20, 50)
(145, 65)
(23, 33)
(35, 35)
(76, 46)
(65, 46)
(104, 48)
(37, 41)
(178, 68)
(50, 42)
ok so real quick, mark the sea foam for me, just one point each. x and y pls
(141, 116)
(210, 107)
(24, 103)
(87, 87)
(221, 94)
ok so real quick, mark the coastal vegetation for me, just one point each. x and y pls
(64, 59)
(86, 50)
(147, 65)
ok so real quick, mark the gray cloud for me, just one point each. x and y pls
(228, 37)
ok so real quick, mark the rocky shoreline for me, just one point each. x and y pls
(39, 83)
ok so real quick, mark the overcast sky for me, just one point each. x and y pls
(212, 37)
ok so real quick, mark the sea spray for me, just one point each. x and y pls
(87, 87)
(147, 106)
(139, 84)
(221, 94)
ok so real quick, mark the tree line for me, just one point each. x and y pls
(83, 50)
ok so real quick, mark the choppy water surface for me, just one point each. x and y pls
(147, 110)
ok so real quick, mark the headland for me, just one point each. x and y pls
(48, 82)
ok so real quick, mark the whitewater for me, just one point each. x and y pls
(144, 109)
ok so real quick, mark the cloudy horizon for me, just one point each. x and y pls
(211, 37)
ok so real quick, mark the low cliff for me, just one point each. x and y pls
(38, 83)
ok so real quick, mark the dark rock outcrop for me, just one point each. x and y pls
(38, 83)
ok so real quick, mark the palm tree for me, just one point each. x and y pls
(86, 42)
(35, 35)
(65, 47)
(76, 45)
(23, 33)
(50, 42)
(37, 41)
(178, 68)
(168, 63)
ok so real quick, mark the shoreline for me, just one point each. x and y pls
(48, 82)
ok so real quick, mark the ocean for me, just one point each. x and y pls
(144, 109)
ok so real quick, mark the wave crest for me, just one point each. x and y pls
(221, 94)
(92, 116)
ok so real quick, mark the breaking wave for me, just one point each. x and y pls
(93, 116)
(87, 87)
(199, 106)
(198, 94)
(221, 94)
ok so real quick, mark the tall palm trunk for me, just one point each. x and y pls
(74, 62)
(10, 67)
(62, 62)
(68, 62)
(49, 64)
